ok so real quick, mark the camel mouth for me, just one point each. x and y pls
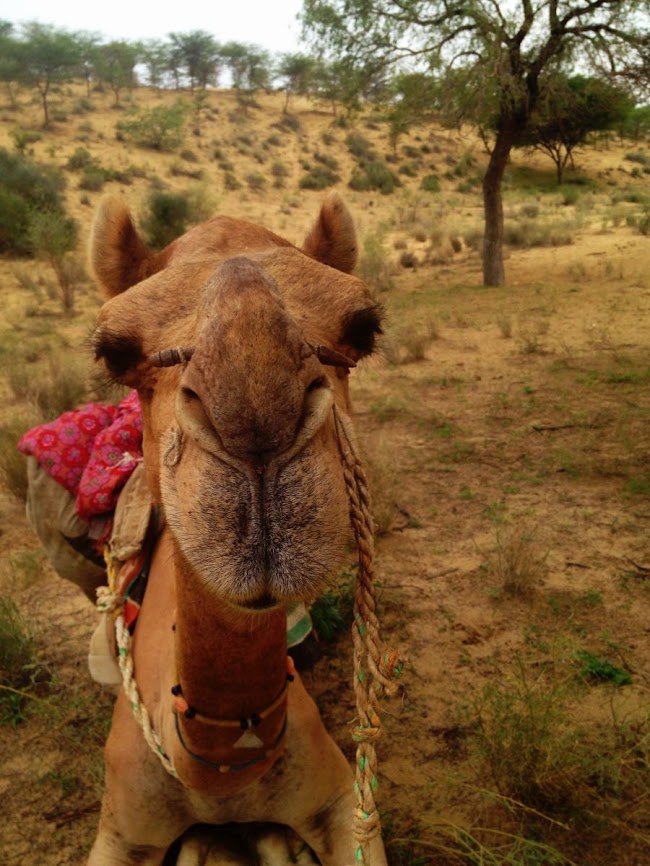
(262, 602)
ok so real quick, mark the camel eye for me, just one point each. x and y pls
(361, 328)
(317, 383)
(120, 352)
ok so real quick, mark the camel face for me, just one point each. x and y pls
(239, 441)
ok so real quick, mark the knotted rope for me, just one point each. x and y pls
(375, 668)
(109, 601)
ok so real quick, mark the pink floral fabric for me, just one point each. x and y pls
(90, 451)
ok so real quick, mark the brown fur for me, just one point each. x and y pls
(240, 451)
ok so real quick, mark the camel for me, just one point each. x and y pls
(240, 345)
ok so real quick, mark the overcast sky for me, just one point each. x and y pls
(270, 24)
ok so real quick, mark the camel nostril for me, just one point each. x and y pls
(190, 396)
(318, 382)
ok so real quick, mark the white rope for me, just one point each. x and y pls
(108, 602)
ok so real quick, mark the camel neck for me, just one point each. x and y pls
(231, 664)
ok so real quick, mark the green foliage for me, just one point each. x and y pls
(80, 159)
(602, 671)
(332, 613)
(256, 181)
(114, 64)
(318, 177)
(430, 183)
(22, 138)
(46, 56)
(167, 216)
(374, 176)
(374, 265)
(570, 108)
(158, 128)
(26, 188)
(195, 56)
(360, 147)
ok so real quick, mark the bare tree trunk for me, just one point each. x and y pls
(493, 269)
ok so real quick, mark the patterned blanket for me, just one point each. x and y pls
(91, 451)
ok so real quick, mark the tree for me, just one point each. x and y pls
(52, 237)
(115, 64)
(88, 45)
(295, 71)
(413, 99)
(496, 52)
(344, 82)
(9, 63)
(155, 56)
(249, 68)
(570, 109)
(46, 56)
(197, 55)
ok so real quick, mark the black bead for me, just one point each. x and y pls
(255, 719)
(190, 712)
(177, 690)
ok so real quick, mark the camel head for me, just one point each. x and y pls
(239, 344)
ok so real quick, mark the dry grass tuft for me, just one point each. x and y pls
(517, 562)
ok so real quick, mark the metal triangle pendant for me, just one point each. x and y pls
(249, 740)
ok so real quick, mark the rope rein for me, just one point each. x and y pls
(109, 601)
(375, 669)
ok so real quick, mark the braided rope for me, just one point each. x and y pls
(375, 669)
(109, 601)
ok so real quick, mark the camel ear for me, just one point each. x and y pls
(332, 239)
(118, 256)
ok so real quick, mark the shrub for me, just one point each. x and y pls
(408, 169)
(24, 137)
(328, 161)
(167, 216)
(80, 159)
(14, 223)
(430, 183)
(360, 147)
(289, 122)
(53, 235)
(158, 128)
(374, 176)
(374, 266)
(230, 181)
(318, 177)
(25, 187)
(92, 179)
(256, 181)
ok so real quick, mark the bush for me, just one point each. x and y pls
(166, 217)
(25, 186)
(374, 266)
(318, 178)
(80, 159)
(230, 181)
(430, 183)
(158, 128)
(360, 147)
(52, 235)
(14, 224)
(256, 181)
(374, 176)
(92, 179)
